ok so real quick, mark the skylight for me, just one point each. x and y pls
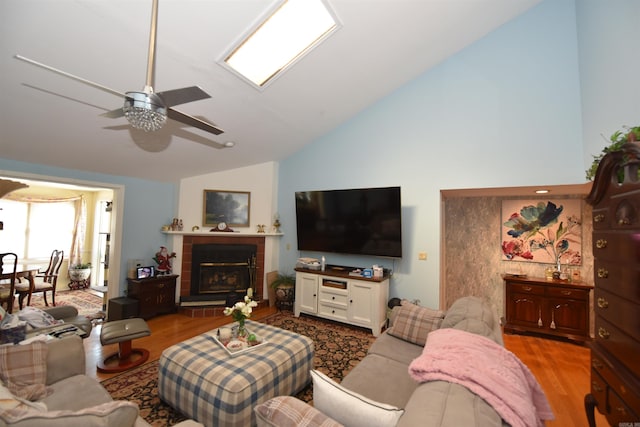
(286, 35)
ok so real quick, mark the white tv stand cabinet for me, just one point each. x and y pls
(334, 294)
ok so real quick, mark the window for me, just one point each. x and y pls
(32, 230)
(291, 31)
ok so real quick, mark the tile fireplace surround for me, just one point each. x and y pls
(185, 275)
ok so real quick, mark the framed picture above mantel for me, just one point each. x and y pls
(231, 208)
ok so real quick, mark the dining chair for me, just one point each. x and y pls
(43, 282)
(8, 266)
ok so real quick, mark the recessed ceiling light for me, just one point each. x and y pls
(542, 191)
(283, 37)
(229, 144)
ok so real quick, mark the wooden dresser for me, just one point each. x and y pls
(551, 307)
(615, 352)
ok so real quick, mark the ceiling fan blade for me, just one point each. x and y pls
(114, 114)
(63, 96)
(118, 127)
(71, 76)
(192, 121)
(193, 137)
(182, 96)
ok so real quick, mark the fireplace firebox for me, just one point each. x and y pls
(221, 274)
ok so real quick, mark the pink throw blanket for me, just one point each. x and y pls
(486, 369)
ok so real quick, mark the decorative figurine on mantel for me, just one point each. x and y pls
(261, 228)
(163, 258)
(276, 224)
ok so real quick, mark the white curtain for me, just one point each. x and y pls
(77, 242)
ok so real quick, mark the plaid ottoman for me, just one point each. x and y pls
(200, 379)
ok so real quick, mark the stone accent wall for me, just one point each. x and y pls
(472, 250)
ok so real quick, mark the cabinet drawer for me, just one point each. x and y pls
(573, 293)
(599, 390)
(621, 247)
(619, 344)
(618, 311)
(333, 298)
(525, 288)
(620, 413)
(614, 382)
(332, 312)
(619, 279)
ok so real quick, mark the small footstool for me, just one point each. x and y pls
(122, 332)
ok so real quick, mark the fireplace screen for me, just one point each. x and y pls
(223, 277)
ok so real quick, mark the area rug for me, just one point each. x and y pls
(338, 348)
(88, 303)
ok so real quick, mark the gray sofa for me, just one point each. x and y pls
(77, 399)
(383, 377)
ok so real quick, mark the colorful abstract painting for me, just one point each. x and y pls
(542, 231)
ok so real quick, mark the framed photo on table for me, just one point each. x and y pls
(229, 207)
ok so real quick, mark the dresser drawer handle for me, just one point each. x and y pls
(566, 293)
(597, 364)
(621, 411)
(598, 218)
(596, 387)
(603, 303)
(527, 288)
(603, 333)
(624, 221)
(601, 243)
(160, 285)
(603, 273)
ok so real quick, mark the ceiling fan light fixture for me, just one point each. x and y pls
(144, 111)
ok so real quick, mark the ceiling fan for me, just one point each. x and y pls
(146, 109)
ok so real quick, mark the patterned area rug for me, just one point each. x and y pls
(338, 348)
(88, 303)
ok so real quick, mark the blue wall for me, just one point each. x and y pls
(147, 206)
(504, 112)
(608, 34)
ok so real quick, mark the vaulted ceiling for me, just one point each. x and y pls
(49, 119)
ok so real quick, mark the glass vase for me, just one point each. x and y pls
(242, 331)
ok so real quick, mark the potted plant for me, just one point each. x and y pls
(284, 287)
(79, 272)
(616, 141)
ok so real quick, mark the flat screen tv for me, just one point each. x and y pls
(363, 221)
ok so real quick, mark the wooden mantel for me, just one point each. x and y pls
(221, 234)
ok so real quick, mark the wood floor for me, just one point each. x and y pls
(562, 368)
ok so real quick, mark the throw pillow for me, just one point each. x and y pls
(287, 411)
(350, 408)
(37, 318)
(413, 323)
(117, 413)
(23, 368)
